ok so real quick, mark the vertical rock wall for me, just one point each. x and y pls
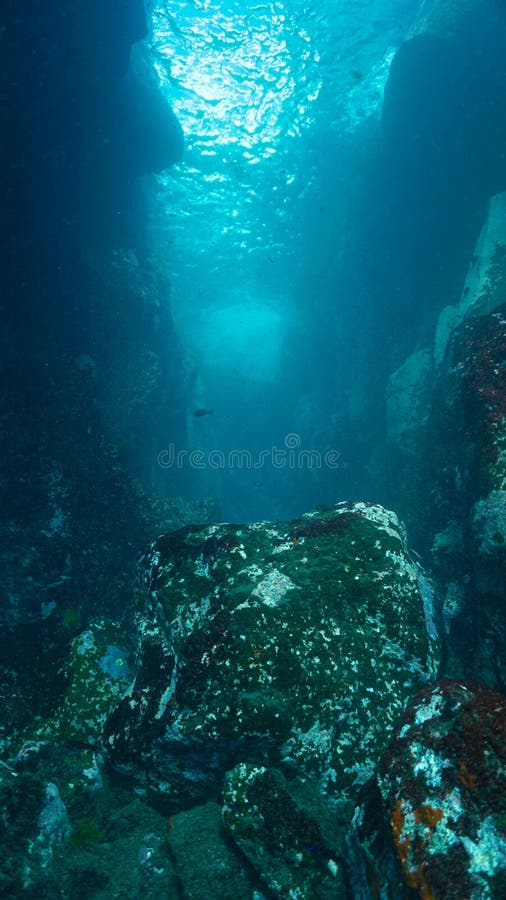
(89, 357)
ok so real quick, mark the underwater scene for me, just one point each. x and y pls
(253, 469)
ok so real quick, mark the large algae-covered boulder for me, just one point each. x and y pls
(294, 644)
(432, 823)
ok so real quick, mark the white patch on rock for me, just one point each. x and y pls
(201, 567)
(430, 710)
(273, 588)
(488, 853)
(429, 764)
(282, 548)
(252, 572)
(377, 514)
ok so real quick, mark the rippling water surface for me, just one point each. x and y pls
(265, 93)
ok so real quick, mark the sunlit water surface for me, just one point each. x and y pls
(271, 97)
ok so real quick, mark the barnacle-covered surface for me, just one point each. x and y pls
(433, 822)
(295, 643)
(97, 671)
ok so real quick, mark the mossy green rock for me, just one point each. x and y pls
(98, 669)
(286, 832)
(294, 644)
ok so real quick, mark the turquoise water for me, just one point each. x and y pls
(252, 486)
(268, 96)
(278, 102)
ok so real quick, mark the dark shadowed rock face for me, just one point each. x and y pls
(297, 644)
(468, 437)
(432, 823)
(287, 833)
(89, 355)
(447, 458)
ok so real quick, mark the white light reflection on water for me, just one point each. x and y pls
(232, 69)
(264, 92)
(243, 78)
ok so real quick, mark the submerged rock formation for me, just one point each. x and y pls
(439, 156)
(450, 460)
(432, 823)
(89, 356)
(288, 834)
(268, 667)
(296, 644)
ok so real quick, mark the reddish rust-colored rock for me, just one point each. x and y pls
(432, 824)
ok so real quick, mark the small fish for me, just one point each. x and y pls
(202, 412)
